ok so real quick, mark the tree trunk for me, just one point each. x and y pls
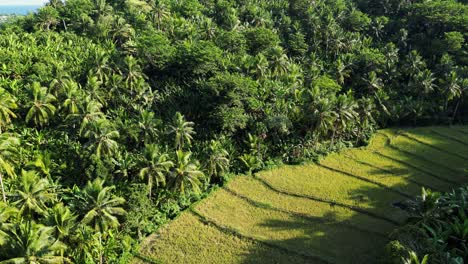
(101, 257)
(455, 112)
(3, 188)
(150, 185)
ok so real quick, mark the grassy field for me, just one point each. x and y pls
(337, 211)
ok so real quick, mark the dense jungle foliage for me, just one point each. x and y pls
(437, 231)
(117, 114)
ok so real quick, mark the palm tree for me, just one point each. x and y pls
(426, 80)
(279, 62)
(148, 125)
(7, 105)
(92, 114)
(100, 205)
(41, 109)
(261, 66)
(8, 154)
(451, 88)
(100, 64)
(185, 173)
(365, 111)
(160, 12)
(218, 162)
(463, 92)
(125, 163)
(8, 215)
(156, 167)
(132, 72)
(61, 77)
(183, 131)
(102, 138)
(34, 194)
(95, 91)
(345, 113)
(46, 17)
(31, 243)
(375, 85)
(73, 97)
(42, 164)
(324, 117)
(342, 71)
(61, 219)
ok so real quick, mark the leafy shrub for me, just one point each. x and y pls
(437, 230)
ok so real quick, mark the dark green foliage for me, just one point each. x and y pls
(438, 229)
(260, 39)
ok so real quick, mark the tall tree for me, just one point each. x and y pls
(32, 243)
(102, 138)
(7, 105)
(186, 173)
(8, 154)
(100, 205)
(182, 130)
(41, 107)
(34, 194)
(156, 167)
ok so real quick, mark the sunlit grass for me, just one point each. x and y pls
(188, 240)
(321, 182)
(313, 235)
(282, 223)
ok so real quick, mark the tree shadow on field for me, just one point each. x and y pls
(361, 237)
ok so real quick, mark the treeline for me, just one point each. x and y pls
(115, 115)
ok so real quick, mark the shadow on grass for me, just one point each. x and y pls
(372, 209)
(342, 241)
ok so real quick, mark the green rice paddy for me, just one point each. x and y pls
(337, 211)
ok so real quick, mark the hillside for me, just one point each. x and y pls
(337, 211)
(118, 115)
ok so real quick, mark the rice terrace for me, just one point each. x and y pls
(340, 210)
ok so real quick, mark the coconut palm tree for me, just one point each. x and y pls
(61, 219)
(157, 165)
(324, 117)
(261, 66)
(47, 17)
(218, 162)
(132, 72)
(451, 88)
(279, 62)
(100, 64)
(7, 105)
(102, 136)
(8, 215)
(8, 154)
(41, 108)
(160, 12)
(73, 97)
(183, 131)
(100, 205)
(185, 173)
(31, 243)
(425, 81)
(34, 194)
(91, 115)
(345, 113)
(95, 90)
(147, 123)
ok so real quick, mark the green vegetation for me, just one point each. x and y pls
(340, 210)
(116, 115)
(437, 230)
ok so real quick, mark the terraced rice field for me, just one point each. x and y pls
(338, 211)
